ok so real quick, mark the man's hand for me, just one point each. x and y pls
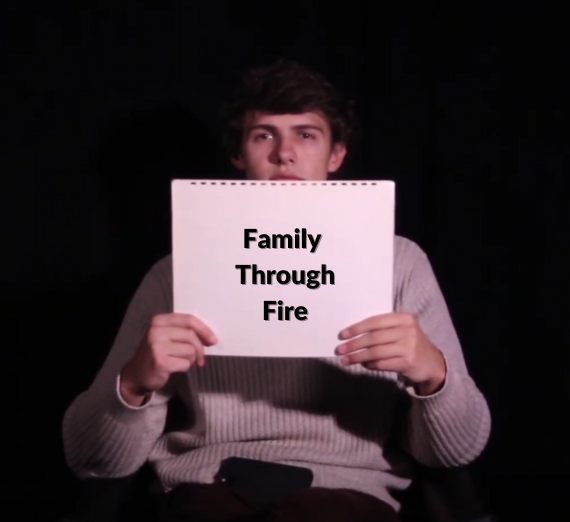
(173, 343)
(394, 342)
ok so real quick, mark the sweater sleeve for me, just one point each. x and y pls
(102, 435)
(452, 426)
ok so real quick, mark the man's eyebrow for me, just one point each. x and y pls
(273, 128)
(309, 126)
(261, 126)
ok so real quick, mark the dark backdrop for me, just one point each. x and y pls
(462, 107)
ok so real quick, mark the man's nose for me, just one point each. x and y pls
(283, 152)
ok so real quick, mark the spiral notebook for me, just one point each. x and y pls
(278, 269)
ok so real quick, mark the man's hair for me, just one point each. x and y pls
(285, 87)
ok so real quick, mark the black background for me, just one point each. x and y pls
(462, 106)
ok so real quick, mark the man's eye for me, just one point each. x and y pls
(263, 136)
(307, 135)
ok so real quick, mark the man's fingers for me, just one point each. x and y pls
(179, 365)
(172, 333)
(377, 322)
(196, 342)
(187, 321)
(374, 338)
(185, 351)
(376, 353)
(396, 364)
(188, 344)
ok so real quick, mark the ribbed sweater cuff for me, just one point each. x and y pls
(452, 426)
(120, 410)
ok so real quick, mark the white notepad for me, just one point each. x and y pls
(356, 224)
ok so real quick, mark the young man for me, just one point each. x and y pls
(356, 419)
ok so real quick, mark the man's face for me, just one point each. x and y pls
(288, 146)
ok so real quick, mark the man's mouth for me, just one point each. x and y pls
(286, 176)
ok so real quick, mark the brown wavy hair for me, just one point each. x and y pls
(285, 87)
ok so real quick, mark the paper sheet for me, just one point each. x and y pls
(355, 221)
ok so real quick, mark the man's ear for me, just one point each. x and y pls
(337, 156)
(238, 162)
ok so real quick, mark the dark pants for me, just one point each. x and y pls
(219, 503)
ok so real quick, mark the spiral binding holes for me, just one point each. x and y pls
(286, 183)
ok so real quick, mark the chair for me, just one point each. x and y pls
(436, 495)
